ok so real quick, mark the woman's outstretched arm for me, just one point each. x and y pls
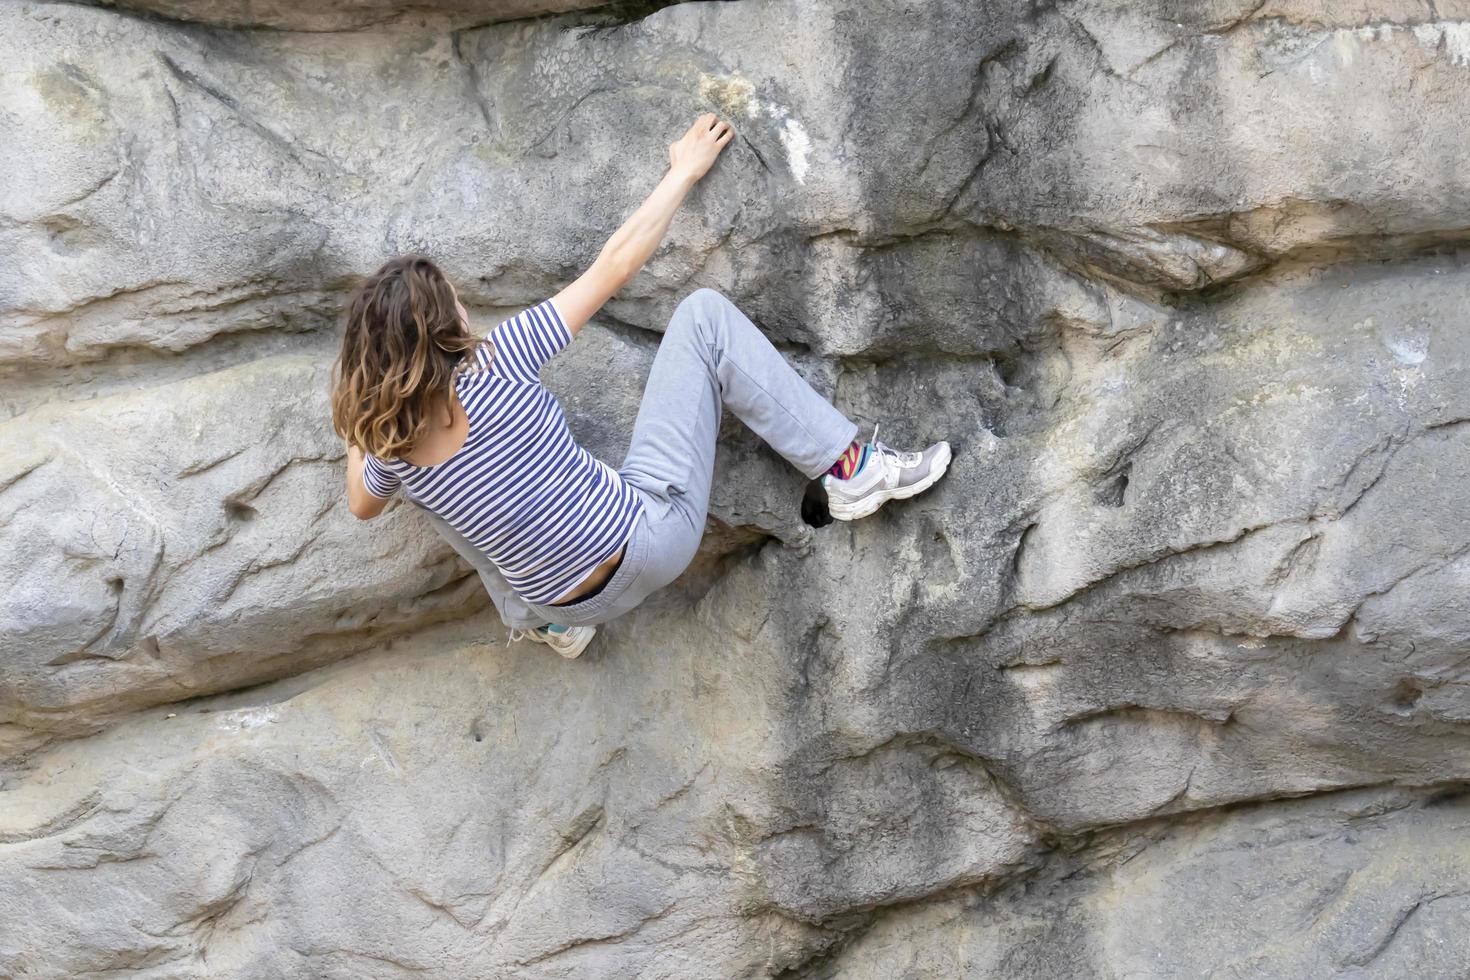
(690, 158)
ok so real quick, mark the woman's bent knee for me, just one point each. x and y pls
(705, 298)
(700, 306)
(701, 313)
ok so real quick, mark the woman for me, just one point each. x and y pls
(561, 540)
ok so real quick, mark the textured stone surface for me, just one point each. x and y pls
(344, 15)
(1358, 884)
(1166, 678)
(215, 551)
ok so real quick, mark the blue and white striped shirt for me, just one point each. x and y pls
(539, 506)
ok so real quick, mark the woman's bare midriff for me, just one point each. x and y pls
(599, 576)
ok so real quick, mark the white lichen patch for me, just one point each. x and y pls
(734, 95)
(247, 718)
(1452, 37)
(1409, 350)
(1429, 35)
(1375, 32)
(1447, 39)
(794, 138)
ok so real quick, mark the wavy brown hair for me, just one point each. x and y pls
(403, 342)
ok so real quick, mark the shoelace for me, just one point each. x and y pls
(517, 634)
(901, 457)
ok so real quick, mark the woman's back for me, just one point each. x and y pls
(521, 489)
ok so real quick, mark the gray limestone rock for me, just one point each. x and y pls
(1362, 884)
(1167, 678)
(344, 15)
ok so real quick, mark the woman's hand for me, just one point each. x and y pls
(690, 157)
(692, 154)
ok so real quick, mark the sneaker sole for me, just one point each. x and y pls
(571, 653)
(868, 505)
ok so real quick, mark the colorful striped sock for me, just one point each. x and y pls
(851, 461)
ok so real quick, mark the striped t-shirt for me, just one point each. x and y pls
(520, 489)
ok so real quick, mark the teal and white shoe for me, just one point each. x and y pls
(887, 474)
(569, 641)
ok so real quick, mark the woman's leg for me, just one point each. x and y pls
(712, 357)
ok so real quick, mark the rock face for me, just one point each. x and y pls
(345, 15)
(1168, 677)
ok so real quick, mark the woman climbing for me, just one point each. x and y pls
(561, 540)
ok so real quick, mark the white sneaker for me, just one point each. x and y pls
(569, 641)
(887, 475)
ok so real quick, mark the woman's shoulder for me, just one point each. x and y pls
(485, 364)
(478, 362)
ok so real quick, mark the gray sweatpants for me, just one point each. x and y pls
(711, 357)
